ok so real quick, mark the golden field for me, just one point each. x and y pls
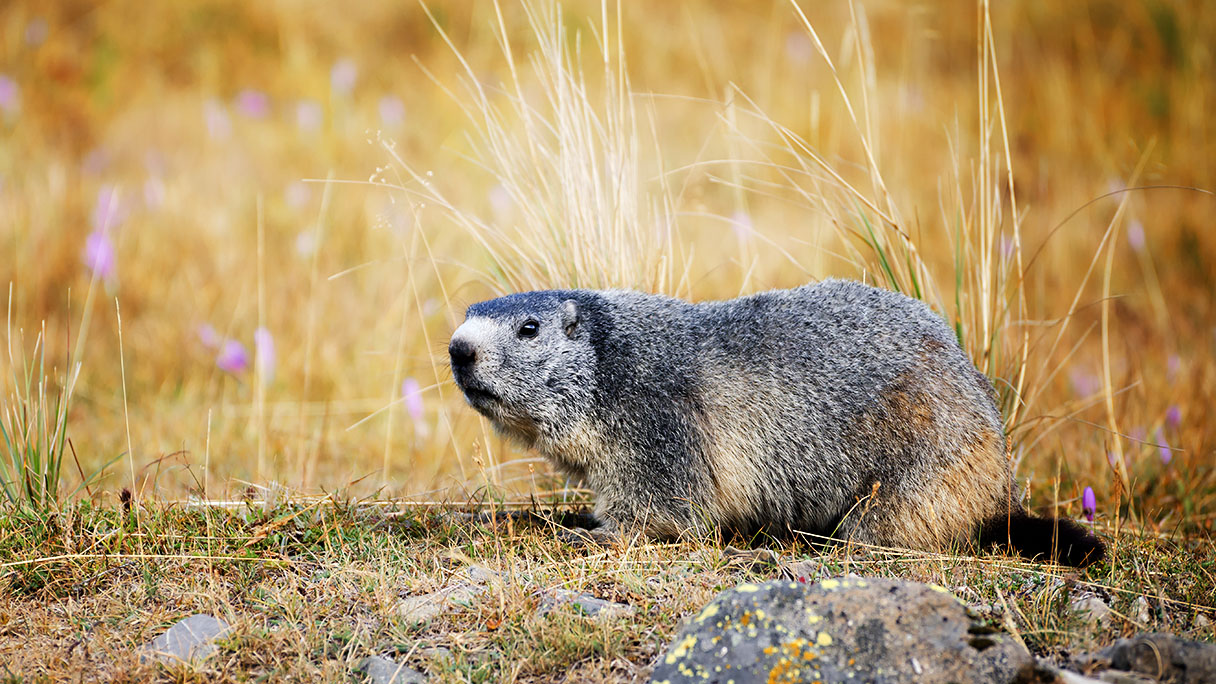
(345, 179)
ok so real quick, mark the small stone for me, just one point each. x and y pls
(422, 609)
(804, 571)
(435, 653)
(190, 640)
(1143, 614)
(1202, 621)
(1092, 608)
(1066, 677)
(751, 558)
(586, 604)
(382, 670)
(479, 574)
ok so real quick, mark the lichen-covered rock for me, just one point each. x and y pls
(838, 630)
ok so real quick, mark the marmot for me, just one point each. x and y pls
(834, 408)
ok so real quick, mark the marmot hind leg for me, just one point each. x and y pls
(889, 522)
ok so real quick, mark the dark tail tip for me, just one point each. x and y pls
(1057, 539)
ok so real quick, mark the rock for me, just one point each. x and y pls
(435, 653)
(1201, 622)
(585, 603)
(1091, 608)
(866, 630)
(422, 609)
(479, 574)
(382, 670)
(1066, 677)
(1143, 615)
(189, 641)
(1162, 657)
(751, 558)
(804, 570)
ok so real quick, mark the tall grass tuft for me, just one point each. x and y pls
(980, 289)
(565, 149)
(33, 427)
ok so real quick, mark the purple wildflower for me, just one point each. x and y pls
(219, 126)
(96, 160)
(253, 103)
(1089, 504)
(309, 116)
(233, 357)
(109, 211)
(413, 398)
(1135, 235)
(392, 111)
(263, 344)
(1006, 246)
(99, 255)
(1173, 416)
(1084, 384)
(36, 32)
(1163, 447)
(10, 96)
(412, 394)
(208, 336)
(343, 75)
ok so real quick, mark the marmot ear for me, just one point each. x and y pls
(569, 317)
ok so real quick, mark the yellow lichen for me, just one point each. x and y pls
(824, 639)
(681, 649)
(710, 611)
(829, 583)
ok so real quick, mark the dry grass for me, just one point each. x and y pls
(984, 164)
(311, 590)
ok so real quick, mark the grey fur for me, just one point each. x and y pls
(833, 408)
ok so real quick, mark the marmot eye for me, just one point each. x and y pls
(529, 329)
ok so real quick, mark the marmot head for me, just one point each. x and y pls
(525, 361)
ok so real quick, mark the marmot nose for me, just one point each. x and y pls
(462, 352)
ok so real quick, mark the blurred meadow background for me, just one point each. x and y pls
(252, 227)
